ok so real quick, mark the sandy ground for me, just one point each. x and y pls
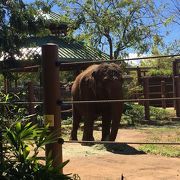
(96, 163)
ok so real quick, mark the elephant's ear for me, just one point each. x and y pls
(87, 85)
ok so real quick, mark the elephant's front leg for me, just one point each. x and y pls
(88, 128)
(106, 123)
(117, 109)
(75, 126)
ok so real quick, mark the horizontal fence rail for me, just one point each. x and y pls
(20, 102)
(67, 62)
(123, 100)
(96, 101)
(114, 142)
(59, 63)
(159, 85)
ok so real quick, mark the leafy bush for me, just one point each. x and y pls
(11, 112)
(133, 114)
(164, 66)
(159, 114)
(136, 114)
(160, 72)
(19, 163)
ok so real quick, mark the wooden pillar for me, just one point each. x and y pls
(5, 85)
(51, 96)
(177, 95)
(175, 67)
(16, 81)
(163, 93)
(146, 96)
(1, 148)
(31, 99)
(174, 74)
(139, 74)
(41, 85)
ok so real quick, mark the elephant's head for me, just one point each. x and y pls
(108, 78)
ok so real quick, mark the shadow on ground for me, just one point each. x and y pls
(124, 149)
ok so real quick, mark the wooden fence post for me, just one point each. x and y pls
(146, 96)
(51, 96)
(163, 93)
(138, 74)
(177, 95)
(5, 85)
(174, 74)
(30, 89)
(1, 147)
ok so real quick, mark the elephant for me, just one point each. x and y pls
(98, 82)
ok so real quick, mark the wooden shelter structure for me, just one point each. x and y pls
(29, 57)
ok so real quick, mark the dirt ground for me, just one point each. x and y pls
(96, 163)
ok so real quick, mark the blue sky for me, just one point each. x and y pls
(174, 29)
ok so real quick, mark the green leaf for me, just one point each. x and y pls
(18, 127)
(26, 152)
(7, 98)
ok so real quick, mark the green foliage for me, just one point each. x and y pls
(160, 72)
(162, 66)
(117, 25)
(135, 114)
(68, 121)
(18, 163)
(1, 81)
(17, 21)
(67, 76)
(29, 77)
(10, 111)
(131, 87)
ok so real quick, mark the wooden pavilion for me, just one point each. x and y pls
(29, 57)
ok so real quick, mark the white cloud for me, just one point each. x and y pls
(134, 62)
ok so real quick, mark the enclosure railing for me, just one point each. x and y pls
(52, 100)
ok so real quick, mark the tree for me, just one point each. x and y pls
(18, 21)
(122, 24)
(174, 11)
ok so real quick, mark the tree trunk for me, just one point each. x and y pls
(110, 46)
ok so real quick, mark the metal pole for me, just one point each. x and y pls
(51, 96)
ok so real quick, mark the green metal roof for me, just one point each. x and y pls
(69, 50)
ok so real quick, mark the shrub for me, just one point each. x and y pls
(19, 163)
(136, 114)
